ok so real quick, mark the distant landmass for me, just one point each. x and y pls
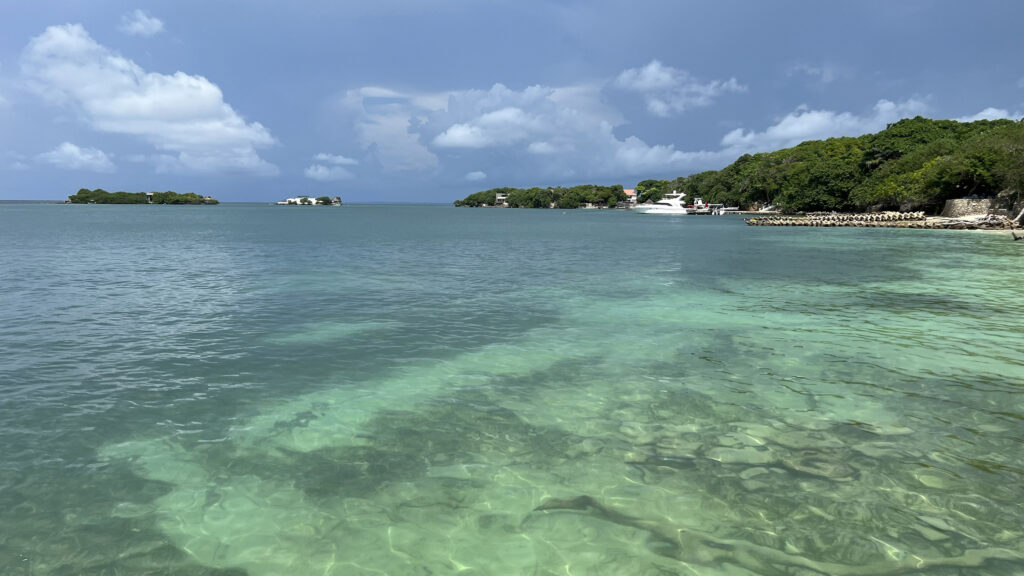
(308, 201)
(101, 196)
(914, 164)
(584, 195)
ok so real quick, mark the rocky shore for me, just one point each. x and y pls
(888, 220)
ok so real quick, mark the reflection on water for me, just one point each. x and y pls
(485, 401)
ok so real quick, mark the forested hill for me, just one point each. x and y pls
(913, 164)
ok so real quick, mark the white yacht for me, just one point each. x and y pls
(671, 203)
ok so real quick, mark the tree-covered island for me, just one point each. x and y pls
(101, 196)
(914, 164)
(555, 197)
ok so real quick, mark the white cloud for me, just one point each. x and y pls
(384, 122)
(653, 76)
(547, 132)
(408, 131)
(504, 126)
(807, 124)
(543, 131)
(640, 157)
(549, 148)
(184, 117)
(335, 170)
(335, 159)
(71, 157)
(669, 91)
(139, 23)
(476, 176)
(327, 173)
(991, 114)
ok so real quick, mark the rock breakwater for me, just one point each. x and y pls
(887, 220)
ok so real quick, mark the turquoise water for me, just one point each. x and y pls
(413, 390)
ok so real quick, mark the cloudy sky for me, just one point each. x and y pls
(429, 100)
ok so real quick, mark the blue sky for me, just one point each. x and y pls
(430, 100)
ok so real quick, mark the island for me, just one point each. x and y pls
(581, 196)
(307, 201)
(101, 196)
(914, 165)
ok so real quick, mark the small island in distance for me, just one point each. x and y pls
(307, 201)
(101, 196)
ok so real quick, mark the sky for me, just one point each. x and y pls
(431, 100)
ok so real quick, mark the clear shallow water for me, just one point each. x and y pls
(426, 390)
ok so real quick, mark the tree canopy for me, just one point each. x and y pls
(553, 197)
(914, 164)
(101, 196)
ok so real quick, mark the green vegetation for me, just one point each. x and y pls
(558, 197)
(101, 196)
(914, 164)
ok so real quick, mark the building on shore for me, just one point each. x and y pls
(308, 201)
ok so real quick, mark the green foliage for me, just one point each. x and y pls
(652, 190)
(101, 196)
(323, 200)
(480, 198)
(915, 163)
(530, 198)
(547, 197)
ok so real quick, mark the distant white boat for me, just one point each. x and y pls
(702, 207)
(671, 203)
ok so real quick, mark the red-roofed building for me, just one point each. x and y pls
(630, 195)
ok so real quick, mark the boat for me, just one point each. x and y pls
(671, 203)
(702, 207)
(699, 206)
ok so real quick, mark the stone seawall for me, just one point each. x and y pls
(887, 220)
(960, 207)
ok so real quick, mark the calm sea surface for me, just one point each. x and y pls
(413, 390)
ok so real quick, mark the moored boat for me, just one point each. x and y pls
(671, 203)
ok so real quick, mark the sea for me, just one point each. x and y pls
(256, 390)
